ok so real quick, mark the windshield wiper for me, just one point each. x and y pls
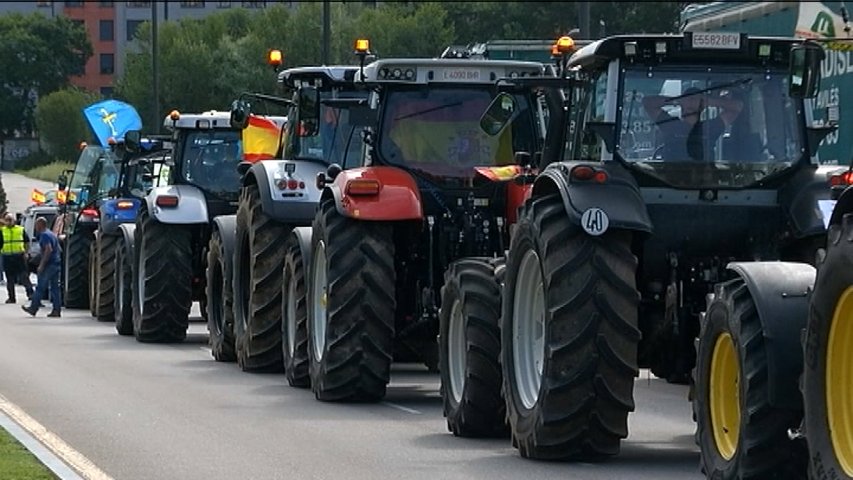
(742, 81)
(422, 112)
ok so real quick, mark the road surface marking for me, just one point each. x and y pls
(402, 408)
(75, 459)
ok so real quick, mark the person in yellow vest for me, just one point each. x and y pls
(13, 246)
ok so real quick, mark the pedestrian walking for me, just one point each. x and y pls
(48, 270)
(13, 247)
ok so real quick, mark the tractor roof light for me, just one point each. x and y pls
(565, 44)
(362, 46)
(630, 49)
(660, 48)
(174, 115)
(275, 58)
(82, 145)
(555, 51)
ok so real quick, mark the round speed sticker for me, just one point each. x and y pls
(594, 221)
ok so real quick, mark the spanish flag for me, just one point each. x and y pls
(38, 197)
(260, 139)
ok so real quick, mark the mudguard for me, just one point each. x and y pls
(226, 225)
(618, 197)
(844, 205)
(398, 199)
(780, 291)
(285, 204)
(303, 237)
(191, 208)
(802, 196)
(126, 230)
(115, 211)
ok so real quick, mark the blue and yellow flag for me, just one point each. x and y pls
(111, 119)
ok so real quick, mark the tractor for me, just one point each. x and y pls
(173, 226)
(683, 153)
(247, 251)
(773, 394)
(109, 293)
(428, 188)
(94, 175)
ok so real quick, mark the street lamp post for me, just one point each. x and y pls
(155, 67)
(326, 31)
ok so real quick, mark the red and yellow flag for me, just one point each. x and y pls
(38, 197)
(260, 139)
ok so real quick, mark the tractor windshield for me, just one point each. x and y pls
(210, 159)
(437, 131)
(337, 139)
(95, 174)
(706, 127)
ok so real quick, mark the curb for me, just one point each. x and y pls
(45, 456)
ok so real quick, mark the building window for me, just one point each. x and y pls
(106, 30)
(106, 91)
(73, 4)
(138, 4)
(132, 27)
(107, 63)
(107, 4)
(224, 5)
(254, 4)
(79, 22)
(192, 4)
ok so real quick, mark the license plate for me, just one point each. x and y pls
(717, 40)
(459, 75)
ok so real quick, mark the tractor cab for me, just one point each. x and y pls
(429, 112)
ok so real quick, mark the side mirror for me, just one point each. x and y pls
(240, 110)
(132, 140)
(804, 70)
(62, 182)
(498, 115)
(308, 102)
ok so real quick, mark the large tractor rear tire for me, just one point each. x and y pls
(470, 348)
(351, 307)
(220, 310)
(740, 435)
(569, 333)
(258, 266)
(76, 266)
(294, 315)
(104, 280)
(123, 275)
(162, 281)
(827, 376)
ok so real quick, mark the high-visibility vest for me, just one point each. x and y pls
(13, 240)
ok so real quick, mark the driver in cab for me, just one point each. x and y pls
(690, 136)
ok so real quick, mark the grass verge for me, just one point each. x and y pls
(16, 462)
(49, 172)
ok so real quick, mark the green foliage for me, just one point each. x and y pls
(37, 56)
(49, 172)
(206, 63)
(61, 123)
(34, 159)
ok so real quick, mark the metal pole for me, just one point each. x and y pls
(327, 34)
(155, 69)
(583, 20)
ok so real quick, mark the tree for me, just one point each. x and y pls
(37, 56)
(60, 121)
(400, 30)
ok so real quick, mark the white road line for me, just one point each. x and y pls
(402, 408)
(56, 445)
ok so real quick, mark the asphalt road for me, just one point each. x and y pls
(170, 412)
(19, 188)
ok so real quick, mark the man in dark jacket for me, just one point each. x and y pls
(48, 270)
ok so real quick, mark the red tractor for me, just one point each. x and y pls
(436, 182)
